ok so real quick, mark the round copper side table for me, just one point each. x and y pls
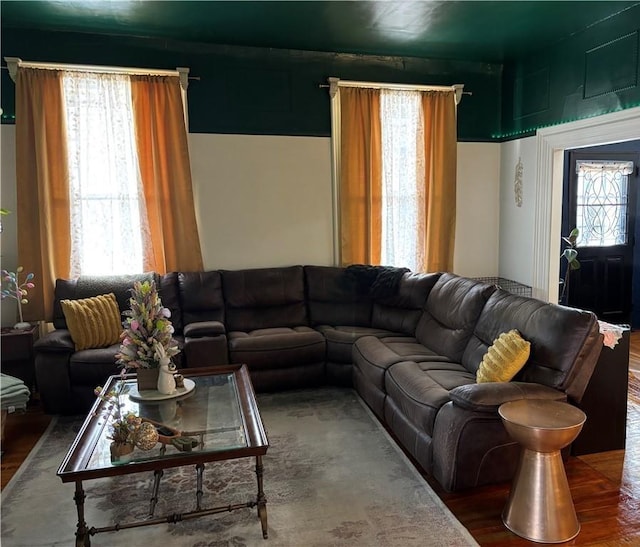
(540, 507)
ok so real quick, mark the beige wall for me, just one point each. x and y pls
(262, 200)
(517, 223)
(478, 210)
(266, 201)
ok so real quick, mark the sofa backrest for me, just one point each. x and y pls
(168, 291)
(201, 296)
(401, 312)
(450, 314)
(264, 298)
(88, 286)
(565, 342)
(334, 298)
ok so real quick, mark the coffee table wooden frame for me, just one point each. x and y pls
(74, 467)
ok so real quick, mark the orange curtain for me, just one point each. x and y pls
(44, 241)
(360, 176)
(440, 152)
(166, 174)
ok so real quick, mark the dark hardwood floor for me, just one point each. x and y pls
(605, 486)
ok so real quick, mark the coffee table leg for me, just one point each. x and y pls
(82, 533)
(199, 473)
(261, 500)
(157, 475)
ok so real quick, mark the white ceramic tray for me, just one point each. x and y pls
(155, 395)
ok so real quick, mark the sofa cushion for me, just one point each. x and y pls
(340, 340)
(279, 347)
(264, 298)
(93, 322)
(373, 356)
(93, 367)
(333, 298)
(420, 389)
(565, 342)
(450, 315)
(87, 286)
(401, 312)
(167, 285)
(504, 358)
(201, 296)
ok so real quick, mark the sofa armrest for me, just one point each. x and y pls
(56, 341)
(488, 396)
(205, 344)
(203, 328)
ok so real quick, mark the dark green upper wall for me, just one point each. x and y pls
(275, 91)
(262, 91)
(591, 73)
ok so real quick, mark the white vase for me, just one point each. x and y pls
(166, 381)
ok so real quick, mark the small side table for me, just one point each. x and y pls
(540, 507)
(18, 358)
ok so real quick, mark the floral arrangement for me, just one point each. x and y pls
(124, 427)
(146, 328)
(17, 290)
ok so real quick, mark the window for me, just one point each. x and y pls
(402, 179)
(108, 221)
(602, 202)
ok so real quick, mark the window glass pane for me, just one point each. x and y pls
(602, 203)
(402, 179)
(107, 207)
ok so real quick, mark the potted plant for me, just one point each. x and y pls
(147, 340)
(570, 254)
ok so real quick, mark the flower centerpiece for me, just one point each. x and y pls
(147, 335)
(18, 291)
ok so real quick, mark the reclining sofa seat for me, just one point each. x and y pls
(268, 328)
(68, 377)
(431, 400)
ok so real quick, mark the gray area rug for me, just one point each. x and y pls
(333, 477)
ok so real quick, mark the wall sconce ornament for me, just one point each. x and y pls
(517, 184)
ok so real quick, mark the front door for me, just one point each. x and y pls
(602, 191)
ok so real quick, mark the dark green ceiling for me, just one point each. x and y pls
(489, 31)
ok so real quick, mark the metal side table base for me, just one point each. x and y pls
(540, 507)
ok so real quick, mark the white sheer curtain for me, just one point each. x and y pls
(403, 184)
(108, 218)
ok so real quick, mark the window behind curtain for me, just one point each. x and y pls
(108, 220)
(402, 179)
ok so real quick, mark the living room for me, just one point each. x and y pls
(260, 124)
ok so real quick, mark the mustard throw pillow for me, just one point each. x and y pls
(93, 322)
(504, 359)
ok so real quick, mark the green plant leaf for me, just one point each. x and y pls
(570, 255)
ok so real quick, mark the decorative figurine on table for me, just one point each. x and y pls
(166, 381)
(18, 291)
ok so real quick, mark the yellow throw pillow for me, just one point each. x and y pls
(504, 359)
(93, 322)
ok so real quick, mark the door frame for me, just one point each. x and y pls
(551, 143)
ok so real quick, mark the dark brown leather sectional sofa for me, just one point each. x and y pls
(410, 344)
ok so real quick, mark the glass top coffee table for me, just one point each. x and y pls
(220, 416)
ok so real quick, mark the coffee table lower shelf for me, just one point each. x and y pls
(83, 532)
